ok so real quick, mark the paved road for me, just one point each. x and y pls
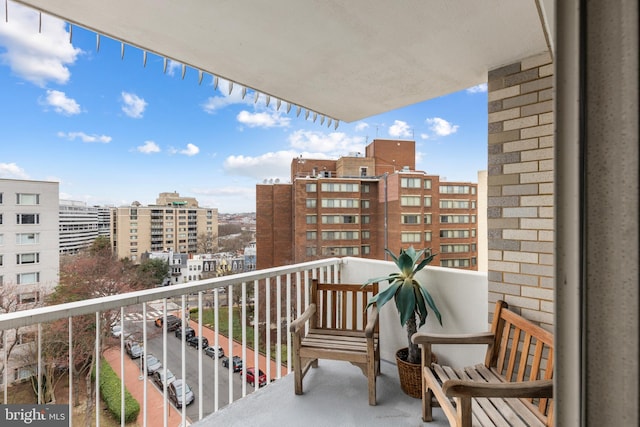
(193, 366)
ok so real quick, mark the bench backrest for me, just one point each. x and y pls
(522, 351)
(340, 306)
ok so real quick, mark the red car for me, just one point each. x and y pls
(251, 377)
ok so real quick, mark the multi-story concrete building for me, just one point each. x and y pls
(360, 205)
(174, 223)
(29, 261)
(78, 226)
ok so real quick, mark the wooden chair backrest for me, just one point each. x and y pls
(522, 351)
(341, 306)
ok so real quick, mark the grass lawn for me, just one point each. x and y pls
(223, 328)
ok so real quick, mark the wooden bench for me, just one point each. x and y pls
(513, 387)
(338, 326)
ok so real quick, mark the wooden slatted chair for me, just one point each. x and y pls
(514, 385)
(337, 326)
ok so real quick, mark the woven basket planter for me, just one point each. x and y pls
(410, 373)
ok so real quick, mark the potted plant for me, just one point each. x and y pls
(411, 299)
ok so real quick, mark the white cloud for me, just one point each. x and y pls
(268, 165)
(441, 127)
(134, 106)
(148, 147)
(172, 66)
(400, 129)
(263, 119)
(71, 136)
(36, 57)
(61, 104)
(478, 88)
(191, 150)
(424, 136)
(11, 170)
(334, 143)
(361, 126)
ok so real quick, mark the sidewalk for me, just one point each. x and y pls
(134, 385)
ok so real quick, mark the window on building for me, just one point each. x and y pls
(311, 203)
(366, 188)
(410, 182)
(454, 189)
(445, 249)
(28, 298)
(454, 219)
(427, 201)
(473, 204)
(341, 250)
(1, 239)
(454, 234)
(427, 236)
(339, 203)
(363, 171)
(473, 247)
(312, 188)
(473, 232)
(0, 219)
(365, 204)
(427, 218)
(366, 219)
(27, 218)
(0, 198)
(366, 234)
(312, 219)
(28, 278)
(27, 238)
(1, 260)
(340, 187)
(427, 184)
(410, 219)
(340, 235)
(27, 199)
(312, 235)
(410, 201)
(410, 237)
(454, 204)
(311, 251)
(365, 249)
(28, 258)
(473, 190)
(454, 262)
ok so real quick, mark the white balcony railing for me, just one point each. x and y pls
(461, 296)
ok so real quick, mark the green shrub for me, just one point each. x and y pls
(110, 392)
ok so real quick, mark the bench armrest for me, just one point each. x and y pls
(298, 324)
(371, 323)
(466, 388)
(428, 338)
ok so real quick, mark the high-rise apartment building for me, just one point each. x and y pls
(359, 205)
(173, 223)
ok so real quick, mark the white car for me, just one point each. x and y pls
(116, 331)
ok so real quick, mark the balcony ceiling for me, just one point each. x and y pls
(346, 59)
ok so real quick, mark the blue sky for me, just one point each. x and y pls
(112, 131)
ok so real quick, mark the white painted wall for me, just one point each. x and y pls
(461, 298)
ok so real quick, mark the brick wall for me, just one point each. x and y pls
(520, 187)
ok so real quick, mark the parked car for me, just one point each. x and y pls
(158, 378)
(251, 377)
(213, 353)
(116, 331)
(153, 364)
(133, 349)
(173, 322)
(236, 361)
(194, 341)
(188, 332)
(175, 393)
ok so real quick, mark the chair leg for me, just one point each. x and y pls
(371, 376)
(427, 395)
(297, 375)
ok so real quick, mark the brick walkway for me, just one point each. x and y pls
(135, 385)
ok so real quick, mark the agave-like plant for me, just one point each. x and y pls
(411, 297)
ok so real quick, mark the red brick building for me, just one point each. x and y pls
(360, 205)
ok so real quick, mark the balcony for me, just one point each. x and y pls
(461, 297)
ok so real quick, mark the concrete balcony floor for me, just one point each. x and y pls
(335, 394)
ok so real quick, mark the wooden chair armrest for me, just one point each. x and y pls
(371, 323)
(429, 338)
(298, 324)
(467, 388)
